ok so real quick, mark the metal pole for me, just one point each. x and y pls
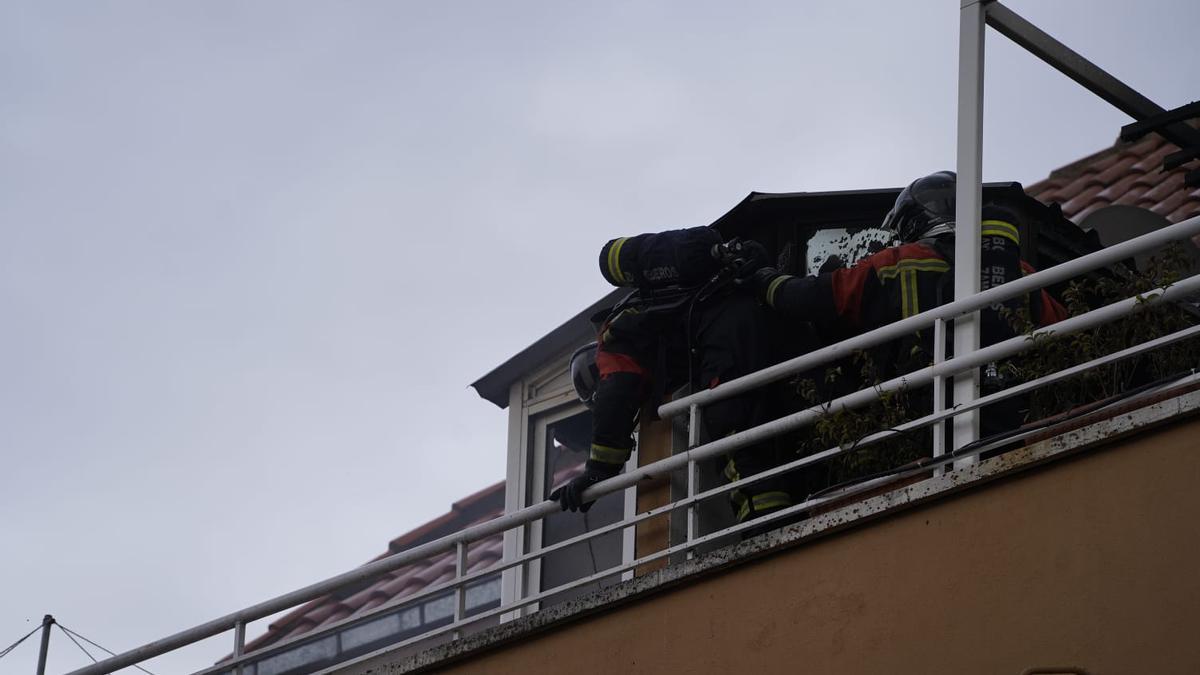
(968, 200)
(239, 644)
(693, 481)
(939, 391)
(47, 622)
(460, 596)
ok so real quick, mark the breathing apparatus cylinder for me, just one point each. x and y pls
(656, 260)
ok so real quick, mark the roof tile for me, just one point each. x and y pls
(1172, 203)
(1129, 173)
(1116, 189)
(1166, 187)
(1082, 199)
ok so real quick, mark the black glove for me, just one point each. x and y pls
(761, 279)
(752, 257)
(571, 494)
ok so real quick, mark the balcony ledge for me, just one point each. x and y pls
(1067, 440)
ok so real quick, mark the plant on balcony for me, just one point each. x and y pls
(846, 428)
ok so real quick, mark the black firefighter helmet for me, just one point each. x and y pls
(584, 373)
(928, 202)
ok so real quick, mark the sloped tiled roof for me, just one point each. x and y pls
(411, 579)
(1127, 173)
(406, 581)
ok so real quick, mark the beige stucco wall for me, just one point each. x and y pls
(1092, 561)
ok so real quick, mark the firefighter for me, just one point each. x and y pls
(683, 323)
(914, 276)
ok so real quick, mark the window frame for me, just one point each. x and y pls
(539, 400)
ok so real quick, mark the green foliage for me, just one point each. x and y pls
(1149, 320)
(845, 429)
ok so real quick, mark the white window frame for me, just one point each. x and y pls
(534, 403)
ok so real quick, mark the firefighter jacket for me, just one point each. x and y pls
(645, 345)
(904, 280)
(661, 259)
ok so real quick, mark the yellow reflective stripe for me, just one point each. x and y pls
(774, 286)
(603, 453)
(744, 510)
(772, 500)
(915, 264)
(908, 294)
(731, 472)
(614, 260)
(763, 502)
(1000, 228)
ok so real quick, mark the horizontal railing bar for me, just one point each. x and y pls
(741, 439)
(1061, 272)
(367, 572)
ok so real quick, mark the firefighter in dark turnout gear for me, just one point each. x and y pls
(680, 324)
(916, 275)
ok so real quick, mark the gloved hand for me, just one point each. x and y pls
(752, 257)
(761, 279)
(571, 494)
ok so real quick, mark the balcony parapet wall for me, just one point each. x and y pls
(1176, 418)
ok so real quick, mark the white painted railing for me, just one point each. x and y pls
(938, 372)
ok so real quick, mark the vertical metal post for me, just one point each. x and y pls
(939, 391)
(692, 477)
(239, 644)
(629, 533)
(460, 594)
(47, 622)
(968, 202)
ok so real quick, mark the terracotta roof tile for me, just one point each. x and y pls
(1170, 185)
(1133, 197)
(479, 507)
(1126, 173)
(1153, 160)
(1189, 209)
(1176, 201)
(1116, 189)
(1084, 198)
(1117, 170)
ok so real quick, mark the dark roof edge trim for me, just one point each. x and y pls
(495, 385)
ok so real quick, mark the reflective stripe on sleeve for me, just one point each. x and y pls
(603, 453)
(614, 261)
(1000, 228)
(774, 287)
(914, 264)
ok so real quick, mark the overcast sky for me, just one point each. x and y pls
(253, 253)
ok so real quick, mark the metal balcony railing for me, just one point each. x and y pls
(455, 604)
(454, 592)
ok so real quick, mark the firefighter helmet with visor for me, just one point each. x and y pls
(923, 209)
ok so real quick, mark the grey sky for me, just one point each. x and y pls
(252, 254)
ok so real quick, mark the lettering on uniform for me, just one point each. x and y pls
(991, 277)
(993, 244)
(660, 273)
